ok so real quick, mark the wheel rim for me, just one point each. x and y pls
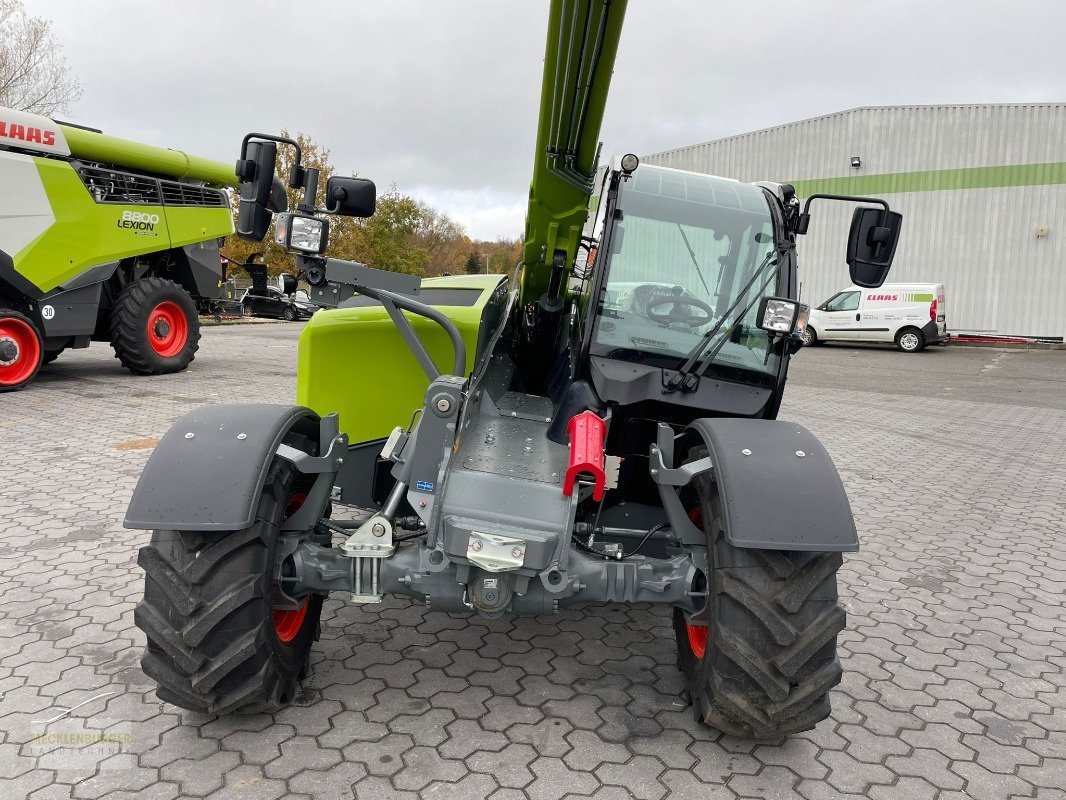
(697, 634)
(168, 329)
(808, 337)
(20, 351)
(697, 639)
(287, 622)
(908, 341)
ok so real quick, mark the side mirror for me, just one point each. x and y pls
(287, 283)
(259, 198)
(872, 245)
(351, 197)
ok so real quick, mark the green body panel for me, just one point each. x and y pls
(86, 234)
(577, 75)
(124, 154)
(355, 362)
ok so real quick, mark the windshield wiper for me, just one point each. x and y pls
(687, 377)
(692, 255)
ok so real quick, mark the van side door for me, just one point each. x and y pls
(840, 317)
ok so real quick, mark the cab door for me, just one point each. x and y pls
(841, 317)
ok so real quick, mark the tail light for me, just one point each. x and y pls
(932, 310)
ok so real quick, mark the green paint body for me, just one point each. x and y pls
(558, 208)
(355, 362)
(126, 154)
(86, 234)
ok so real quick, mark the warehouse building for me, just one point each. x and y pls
(982, 189)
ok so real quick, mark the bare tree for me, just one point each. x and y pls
(34, 76)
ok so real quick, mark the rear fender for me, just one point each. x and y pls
(209, 470)
(778, 487)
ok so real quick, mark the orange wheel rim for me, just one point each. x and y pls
(288, 623)
(697, 639)
(168, 329)
(697, 634)
(21, 351)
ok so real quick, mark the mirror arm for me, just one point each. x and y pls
(804, 218)
(270, 138)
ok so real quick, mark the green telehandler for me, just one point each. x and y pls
(600, 427)
(104, 239)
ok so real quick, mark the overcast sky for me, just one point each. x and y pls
(441, 98)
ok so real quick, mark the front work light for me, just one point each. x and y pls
(778, 315)
(301, 232)
(630, 163)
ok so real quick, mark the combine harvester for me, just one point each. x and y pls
(103, 239)
(596, 429)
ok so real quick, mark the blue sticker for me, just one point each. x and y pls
(424, 486)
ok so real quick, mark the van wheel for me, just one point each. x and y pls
(910, 340)
(810, 338)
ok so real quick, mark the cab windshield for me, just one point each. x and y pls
(683, 248)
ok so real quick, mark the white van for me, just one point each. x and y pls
(912, 315)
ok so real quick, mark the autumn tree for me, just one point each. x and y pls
(34, 76)
(473, 263)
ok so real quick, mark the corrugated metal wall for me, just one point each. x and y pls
(978, 238)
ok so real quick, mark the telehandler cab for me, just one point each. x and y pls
(592, 430)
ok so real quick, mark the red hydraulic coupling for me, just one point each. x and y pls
(587, 432)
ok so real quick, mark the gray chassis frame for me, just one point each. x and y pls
(492, 531)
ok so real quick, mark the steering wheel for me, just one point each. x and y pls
(676, 299)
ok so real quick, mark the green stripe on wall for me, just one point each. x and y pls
(937, 180)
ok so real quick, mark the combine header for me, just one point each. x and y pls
(103, 239)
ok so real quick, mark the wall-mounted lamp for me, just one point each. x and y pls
(856, 162)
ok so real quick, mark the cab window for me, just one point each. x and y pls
(845, 301)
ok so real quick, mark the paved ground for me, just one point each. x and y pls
(955, 461)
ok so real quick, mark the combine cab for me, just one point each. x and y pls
(103, 239)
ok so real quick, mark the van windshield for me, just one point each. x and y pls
(683, 250)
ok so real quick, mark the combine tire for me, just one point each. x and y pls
(21, 350)
(764, 665)
(154, 327)
(216, 642)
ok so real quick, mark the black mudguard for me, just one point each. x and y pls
(208, 471)
(778, 486)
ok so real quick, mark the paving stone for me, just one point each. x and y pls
(953, 684)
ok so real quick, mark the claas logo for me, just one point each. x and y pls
(26, 133)
(882, 297)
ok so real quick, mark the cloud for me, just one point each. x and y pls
(442, 98)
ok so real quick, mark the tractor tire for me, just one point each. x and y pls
(764, 665)
(154, 327)
(21, 350)
(52, 355)
(216, 643)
